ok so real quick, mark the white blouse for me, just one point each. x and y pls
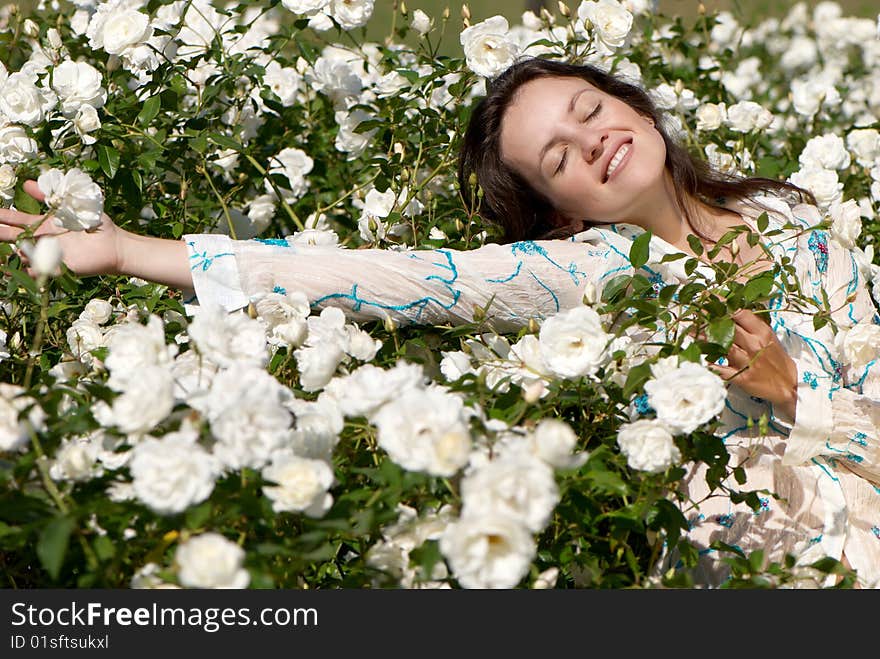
(820, 471)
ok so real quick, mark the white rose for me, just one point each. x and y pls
(285, 317)
(228, 338)
(23, 102)
(301, 484)
(379, 204)
(347, 140)
(318, 424)
(648, 445)
(811, 94)
(132, 347)
(518, 485)
(75, 200)
(846, 223)
(490, 551)
(173, 472)
(573, 343)
(15, 145)
(44, 256)
(611, 21)
(293, 164)
(488, 48)
(284, 82)
(363, 391)
(201, 25)
(710, 116)
(554, 441)
(860, 345)
(118, 29)
(800, 54)
(425, 430)
(97, 311)
(360, 344)
(77, 84)
(86, 121)
(76, 460)
(15, 427)
(420, 22)
(687, 397)
(864, 143)
(211, 561)
(7, 182)
(746, 116)
(351, 14)
(145, 402)
(83, 336)
(826, 151)
(823, 183)
(664, 96)
(305, 6)
(261, 210)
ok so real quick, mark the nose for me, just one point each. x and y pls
(593, 144)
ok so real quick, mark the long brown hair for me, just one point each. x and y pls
(509, 202)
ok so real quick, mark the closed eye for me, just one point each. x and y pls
(593, 113)
(561, 166)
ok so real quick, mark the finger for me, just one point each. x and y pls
(9, 234)
(726, 373)
(17, 218)
(737, 357)
(749, 321)
(34, 191)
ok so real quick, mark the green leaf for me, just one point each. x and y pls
(638, 253)
(226, 142)
(762, 222)
(615, 288)
(721, 331)
(108, 157)
(149, 110)
(636, 377)
(25, 203)
(52, 544)
(696, 244)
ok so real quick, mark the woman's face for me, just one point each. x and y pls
(590, 154)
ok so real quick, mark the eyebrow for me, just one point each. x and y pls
(553, 142)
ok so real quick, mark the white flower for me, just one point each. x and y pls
(864, 144)
(211, 561)
(517, 484)
(173, 472)
(7, 182)
(351, 14)
(808, 96)
(611, 22)
(686, 397)
(648, 445)
(132, 347)
(747, 116)
(86, 121)
(44, 256)
(425, 430)
(826, 151)
(379, 204)
(366, 389)
(260, 211)
(285, 317)
(284, 82)
(823, 183)
(76, 460)
(147, 578)
(846, 223)
(488, 48)
(15, 145)
(347, 139)
(710, 116)
(860, 345)
(15, 426)
(248, 414)
(301, 484)
(228, 338)
(489, 551)
(554, 441)
(118, 27)
(145, 402)
(23, 102)
(97, 311)
(293, 164)
(83, 336)
(75, 200)
(77, 84)
(323, 350)
(305, 6)
(201, 25)
(420, 22)
(573, 343)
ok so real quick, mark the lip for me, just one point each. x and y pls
(611, 152)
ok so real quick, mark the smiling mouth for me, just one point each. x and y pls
(616, 160)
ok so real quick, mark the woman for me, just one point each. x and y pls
(564, 151)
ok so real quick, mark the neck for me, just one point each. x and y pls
(661, 214)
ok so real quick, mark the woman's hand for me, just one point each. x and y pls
(94, 252)
(759, 365)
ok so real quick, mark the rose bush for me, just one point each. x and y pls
(143, 446)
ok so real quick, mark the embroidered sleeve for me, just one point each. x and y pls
(512, 283)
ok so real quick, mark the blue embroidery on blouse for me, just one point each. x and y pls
(280, 289)
(509, 277)
(816, 540)
(859, 438)
(278, 242)
(818, 244)
(876, 531)
(764, 507)
(810, 379)
(207, 261)
(725, 520)
(641, 404)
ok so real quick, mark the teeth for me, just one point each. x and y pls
(615, 161)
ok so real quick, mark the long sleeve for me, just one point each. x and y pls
(838, 410)
(511, 282)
